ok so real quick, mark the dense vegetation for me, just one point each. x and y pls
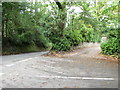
(30, 26)
(111, 46)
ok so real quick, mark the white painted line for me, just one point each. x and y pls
(98, 78)
(82, 78)
(1, 74)
(24, 60)
(9, 65)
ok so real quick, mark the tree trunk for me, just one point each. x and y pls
(63, 16)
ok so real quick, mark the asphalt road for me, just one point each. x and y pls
(82, 69)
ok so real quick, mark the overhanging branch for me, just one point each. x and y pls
(59, 4)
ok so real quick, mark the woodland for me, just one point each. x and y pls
(59, 26)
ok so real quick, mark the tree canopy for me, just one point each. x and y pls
(59, 25)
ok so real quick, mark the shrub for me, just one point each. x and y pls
(110, 47)
(41, 40)
(74, 37)
(61, 44)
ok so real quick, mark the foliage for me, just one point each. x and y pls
(74, 37)
(61, 44)
(55, 25)
(111, 46)
(20, 28)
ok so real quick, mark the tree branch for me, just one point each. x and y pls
(59, 4)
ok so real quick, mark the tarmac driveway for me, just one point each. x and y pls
(83, 68)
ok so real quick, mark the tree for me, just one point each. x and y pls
(62, 15)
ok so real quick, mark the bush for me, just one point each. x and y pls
(28, 36)
(61, 44)
(74, 37)
(110, 47)
(41, 40)
(21, 37)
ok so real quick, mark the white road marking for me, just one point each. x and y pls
(24, 60)
(82, 78)
(9, 65)
(1, 74)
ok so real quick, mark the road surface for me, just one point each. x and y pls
(83, 68)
